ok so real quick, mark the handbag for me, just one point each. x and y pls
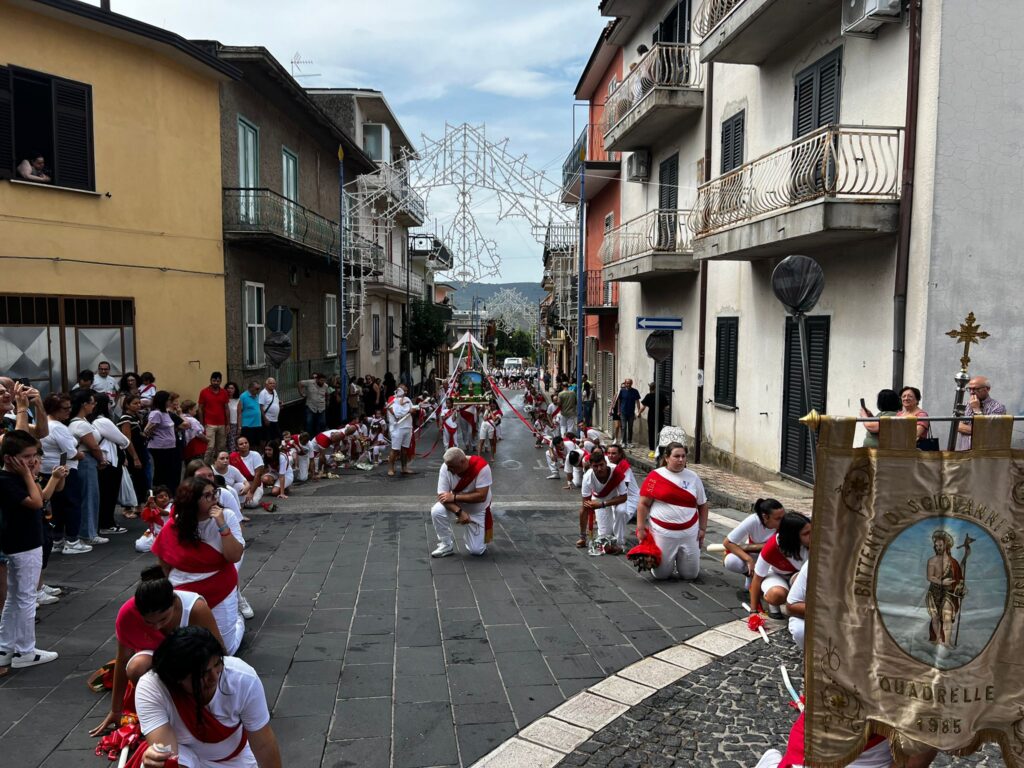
(126, 496)
(928, 444)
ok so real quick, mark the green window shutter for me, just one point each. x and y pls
(733, 131)
(726, 349)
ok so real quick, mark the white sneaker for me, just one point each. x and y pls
(443, 550)
(44, 599)
(96, 540)
(31, 659)
(244, 608)
(76, 548)
(553, 476)
(5, 658)
(52, 590)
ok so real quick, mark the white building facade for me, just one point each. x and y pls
(763, 130)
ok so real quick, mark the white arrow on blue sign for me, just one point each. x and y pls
(659, 323)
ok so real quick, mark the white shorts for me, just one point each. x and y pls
(486, 431)
(401, 438)
(773, 580)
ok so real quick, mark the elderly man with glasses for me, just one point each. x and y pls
(980, 405)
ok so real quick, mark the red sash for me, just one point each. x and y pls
(197, 558)
(554, 414)
(451, 430)
(660, 488)
(618, 475)
(235, 460)
(133, 632)
(772, 555)
(476, 463)
(795, 746)
(469, 416)
(322, 440)
(206, 728)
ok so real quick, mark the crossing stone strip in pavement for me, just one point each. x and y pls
(371, 652)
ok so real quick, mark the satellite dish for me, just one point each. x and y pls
(798, 282)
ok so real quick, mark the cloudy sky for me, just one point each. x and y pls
(509, 65)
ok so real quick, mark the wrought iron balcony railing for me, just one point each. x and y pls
(561, 237)
(591, 145)
(847, 162)
(710, 13)
(657, 231)
(665, 65)
(599, 292)
(394, 276)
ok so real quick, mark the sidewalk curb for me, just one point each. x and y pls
(545, 742)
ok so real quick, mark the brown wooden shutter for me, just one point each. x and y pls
(72, 135)
(7, 161)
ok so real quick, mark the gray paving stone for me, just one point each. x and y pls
(361, 718)
(410, 689)
(373, 625)
(313, 672)
(568, 666)
(420, 660)
(510, 638)
(476, 740)
(524, 668)
(532, 701)
(424, 736)
(612, 658)
(475, 714)
(329, 620)
(361, 753)
(304, 700)
(475, 683)
(304, 737)
(321, 646)
(370, 649)
(470, 651)
(362, 681)
(417, 626)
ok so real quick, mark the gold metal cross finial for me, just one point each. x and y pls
(968, 333)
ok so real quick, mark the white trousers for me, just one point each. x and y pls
(567, 423)
(552, 462)
(466, 434)
(679, 552)
(472, 533)
(18, 621)
(302, 467)
(257, 497)
(796, 629)
(735, 564)
(611, 522)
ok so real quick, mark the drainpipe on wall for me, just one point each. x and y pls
(899, 325)
(702, 322)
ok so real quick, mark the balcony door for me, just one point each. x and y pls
(248, 170)
(290, 189)
(796, 443)
(815, 105)
(668, 203)
(675, 27)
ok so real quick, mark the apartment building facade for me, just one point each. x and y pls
(385, 209)
(102, 259)
(281, 207)
(766, 128)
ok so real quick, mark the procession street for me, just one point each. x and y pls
(371, 652)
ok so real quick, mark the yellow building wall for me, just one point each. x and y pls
(153, 230)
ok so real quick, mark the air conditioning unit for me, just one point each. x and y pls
(862, 17)
(638, 166)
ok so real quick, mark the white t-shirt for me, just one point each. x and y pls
(252, 460)
(674, 513)
(209, 534)
(106, 384)
(798, 590)
(233, 477)
(80, 428)
(765, 568)
(592, 486)
(239, 698)
(233, 411)
(446, 481)
(270, 404)
(398, 413)
(750, 531)
(285, 468)
(58, 441)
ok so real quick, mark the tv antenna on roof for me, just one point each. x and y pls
(297, 62)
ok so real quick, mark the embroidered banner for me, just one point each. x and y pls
(916, 594)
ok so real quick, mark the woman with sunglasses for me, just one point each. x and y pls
(60, 447)
(198, 549)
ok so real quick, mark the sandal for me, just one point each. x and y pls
(581, 543)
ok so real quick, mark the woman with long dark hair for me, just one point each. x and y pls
(888, 404)
(757, 528)
(83, 402)
(137, 460)
(779, 563)
(113, 444)
(198, 549)
(142, 624)
(206, 708)
(163, 442)
(65, 503)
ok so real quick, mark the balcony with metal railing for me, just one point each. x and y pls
(559, 239)
(653, 245)
(588, 154)
(665, 86)
(839, 184)
(602, 296)
(258, 214)
(409, 207)
(394, 279)
(748, 31)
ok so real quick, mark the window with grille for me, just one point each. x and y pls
(391, 332)
(726, 348)
(375, 333)
(330, 325)
(46, 116)
(254, 312)
(609, 222)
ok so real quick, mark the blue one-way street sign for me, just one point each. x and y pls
(659, 323)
